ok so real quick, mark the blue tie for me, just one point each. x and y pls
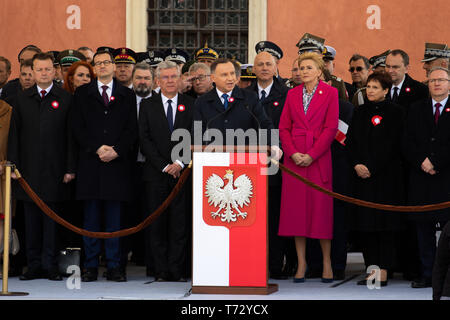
(225, 100)
(263, 96)
(170, 115)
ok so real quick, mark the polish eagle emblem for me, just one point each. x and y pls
(230, 198)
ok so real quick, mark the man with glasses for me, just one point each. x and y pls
(428, 152)
(200, 76)
(104, 124)
(359, 70)
(159, 116)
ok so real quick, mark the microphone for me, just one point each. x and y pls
(247, 107)
(215, 117)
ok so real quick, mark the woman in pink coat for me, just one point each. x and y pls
(308, 126)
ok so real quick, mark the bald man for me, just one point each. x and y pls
(272, 93)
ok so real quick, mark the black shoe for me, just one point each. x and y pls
(422, 282)
(54, 275)
(89, 275)
(116, 274)
(339, 275)
(312, 273)
(32, 274)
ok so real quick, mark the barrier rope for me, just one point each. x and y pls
(152, 217)
(386, 207)
(105, 235)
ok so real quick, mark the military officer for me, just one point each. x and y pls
(66, 58)
(378, 62)
(125, 59)
(436, 55)
(180, 57)
(274, 50)
(151, 57)
(206, 55)
(329, 54)
(247, 76)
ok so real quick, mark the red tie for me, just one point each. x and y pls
(437, 112)
(105, 95)
(43, 93)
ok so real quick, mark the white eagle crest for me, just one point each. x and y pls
(228, 197)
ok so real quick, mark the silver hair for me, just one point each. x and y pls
(199, 65)
(166, 65)
(439, 68)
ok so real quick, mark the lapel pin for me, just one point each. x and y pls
(376, 120)
(112, 98)
(181, 108)
(55, 104)
(320, 91)
(276, 103)
(447, 110)
(408, 89)
(231, 99)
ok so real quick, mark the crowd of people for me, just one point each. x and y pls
(90, 131)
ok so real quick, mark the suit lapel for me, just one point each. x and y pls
(179, 115)
(160, 113)
(93, 91)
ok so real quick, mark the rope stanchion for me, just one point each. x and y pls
(368, 204)
(7, 229)
(105, 235)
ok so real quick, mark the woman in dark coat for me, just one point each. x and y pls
(374, 145)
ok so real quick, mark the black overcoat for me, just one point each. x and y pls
(244, 112)
(94, 125)
(426, 139)
(377, 145)
(40, 143)
(411, 91)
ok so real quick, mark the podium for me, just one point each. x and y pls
(230, 228)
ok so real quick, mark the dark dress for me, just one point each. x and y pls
(374, 140)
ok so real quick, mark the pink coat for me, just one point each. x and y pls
(306, 212)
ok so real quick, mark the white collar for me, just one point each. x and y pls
(100, 84)
(399, 86)
(443, 102)
(165, 99)
(220, 93)
(266, 89)
(46, 90)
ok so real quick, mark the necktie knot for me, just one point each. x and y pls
(263, 95)
(437, 113)
(225, 100)
(43, 93)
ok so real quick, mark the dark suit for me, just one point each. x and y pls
(166, 237)
(104, 185)
(426, 139)
(40, 146)
(441, 268)
(273, 107)
(245, 112)
(410, 92)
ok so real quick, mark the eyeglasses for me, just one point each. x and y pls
(172, 77)
(105, 63)
(200, 78)
(439, 80)
(358, 69)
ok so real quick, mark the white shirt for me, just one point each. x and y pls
(39, 89)
(140, 157)
(220, 93)
(174, 105)
(443, 103)
(399, 86)
(267, 90)
(108, 91)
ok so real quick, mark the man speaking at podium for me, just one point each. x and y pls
(229, 107)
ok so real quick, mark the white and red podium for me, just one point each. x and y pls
(230, 241)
